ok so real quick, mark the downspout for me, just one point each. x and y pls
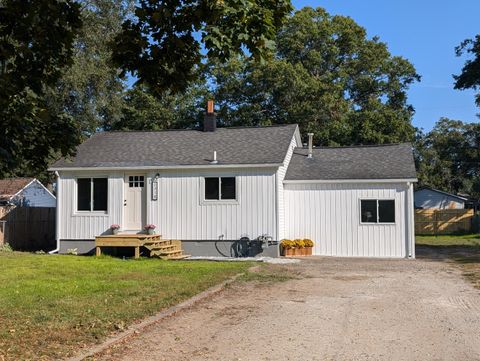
(57, 217)
(410, 224)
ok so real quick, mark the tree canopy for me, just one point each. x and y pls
(36, 40)
(448, 157)
(162, 45)
(469, 78)
(328, 77)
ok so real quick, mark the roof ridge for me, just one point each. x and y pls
(358, 146)
(196, 129)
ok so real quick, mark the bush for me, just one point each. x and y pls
(6, 247)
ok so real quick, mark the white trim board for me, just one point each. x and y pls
(141, 168)
(336, 181)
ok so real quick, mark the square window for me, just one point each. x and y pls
(92, 194)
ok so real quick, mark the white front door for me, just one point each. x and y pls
(134, 202)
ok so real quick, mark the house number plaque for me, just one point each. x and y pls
(154, 189)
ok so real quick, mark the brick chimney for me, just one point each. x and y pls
(210, 121)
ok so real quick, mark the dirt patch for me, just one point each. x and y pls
(338, 309)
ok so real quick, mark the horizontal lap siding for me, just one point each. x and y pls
(329, 214)
(179, 212)
(74, 225)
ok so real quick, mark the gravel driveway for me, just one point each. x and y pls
(339, 309)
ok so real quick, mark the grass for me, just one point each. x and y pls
(52, 305)
(464, 240)
(461, 250)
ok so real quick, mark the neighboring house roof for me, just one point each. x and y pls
(464, 199)
(245, 145)
(392, 161)
(9, 187)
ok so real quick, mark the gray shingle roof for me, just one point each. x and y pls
(394, 161)
(247, 145)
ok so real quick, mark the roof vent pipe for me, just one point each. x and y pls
(210, 121)
(214, 161)
(310, 145)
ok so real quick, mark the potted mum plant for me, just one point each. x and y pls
(297, 247)
(150, 228)
(115, 228)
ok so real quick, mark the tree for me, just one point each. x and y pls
(448, 157)
(470, 75)
(143, 111)
(36, 40)
(92, 91)
(162, 45)
(328, 77)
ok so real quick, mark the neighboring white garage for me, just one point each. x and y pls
(352, 201)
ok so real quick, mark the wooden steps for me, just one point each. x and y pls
(165, 249)
(154, 245)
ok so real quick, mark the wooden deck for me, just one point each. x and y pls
(153, 243)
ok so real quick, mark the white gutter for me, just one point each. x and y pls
(330, 181)
(57, 218)
(206, 166)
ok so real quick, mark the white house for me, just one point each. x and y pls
(212, 188)
(429, 198)
(26, 192)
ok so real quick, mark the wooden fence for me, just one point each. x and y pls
(443, 221)
(28, 228)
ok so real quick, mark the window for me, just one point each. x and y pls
(220, 188)
(136, 181)
(92, 194)
(377, 210)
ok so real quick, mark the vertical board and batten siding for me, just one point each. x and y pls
(86, 225)
(180, 212)
(329, 214)
(282, 171)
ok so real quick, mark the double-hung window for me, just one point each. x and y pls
(92, 194)
(220, 189)
(377, 210)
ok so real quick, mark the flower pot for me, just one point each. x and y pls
(309, 251)
(150, 231)
(289, 252)
(115, 231)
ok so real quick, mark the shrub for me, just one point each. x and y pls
(6, 247)
(308, 242)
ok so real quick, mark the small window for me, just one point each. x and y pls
(220, 188)
(92, 194)
(137, 181)
(378, 211)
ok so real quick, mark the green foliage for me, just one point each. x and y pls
(470, 75)
(143, 111)
(448, 157)
(326, 76)
(162, 44)
(5, 247)
(91, 90)
(36, 45)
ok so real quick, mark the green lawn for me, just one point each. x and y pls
(462, 250)
(449, 240)
(51, 305)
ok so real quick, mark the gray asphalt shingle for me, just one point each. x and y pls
(394, 161)
(247, 145)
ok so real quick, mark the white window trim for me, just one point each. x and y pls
(77, 212)
(206, 202)
(377, 223)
